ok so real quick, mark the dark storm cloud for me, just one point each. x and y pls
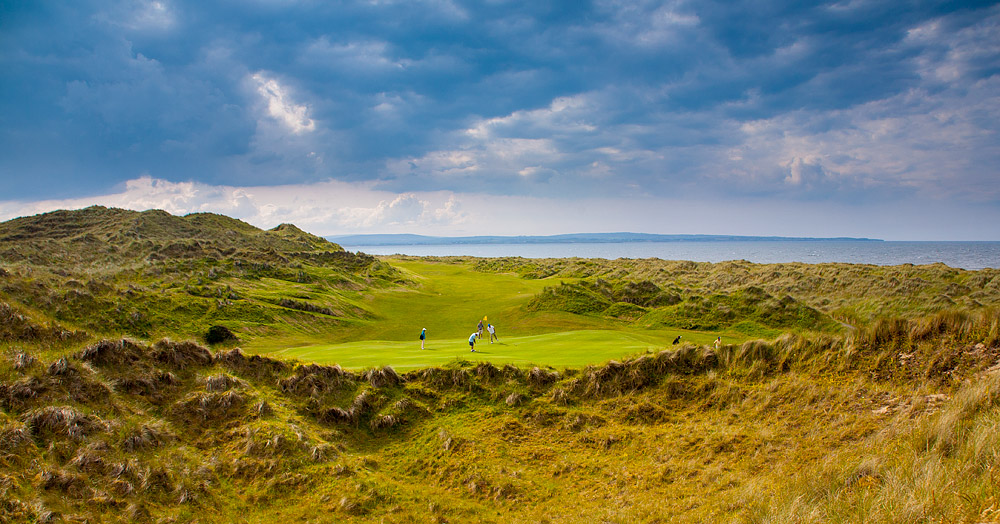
(846, 100)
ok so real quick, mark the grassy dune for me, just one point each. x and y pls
(843, 393)
(800, 429)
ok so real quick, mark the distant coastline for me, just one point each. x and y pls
(576, 238)
(965, 255)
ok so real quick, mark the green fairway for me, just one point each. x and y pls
(449, 299)
(563, 349)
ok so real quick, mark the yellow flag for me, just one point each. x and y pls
(484, 318)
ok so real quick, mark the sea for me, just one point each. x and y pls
(964, 255)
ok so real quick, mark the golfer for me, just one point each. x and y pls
(493, 333)
(423, 336)
(472, 341)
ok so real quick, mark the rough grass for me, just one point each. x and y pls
(802, 428)
(586, 416)
(93, 271)
(853, 293)
(151, 274)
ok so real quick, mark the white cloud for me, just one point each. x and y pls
(523, 143)
(563, 115)
(949, 56)
(646, 24)
(281, 107)
(443, 8)
(408, 210)
(333, 207)
(405, 209)
(449, 214)
(444, 163)
(325, 207)
(147, 192)
(156, 14)
(803, 171)
(488, 158)
(149, 16)
(353, 56)
(911, 142)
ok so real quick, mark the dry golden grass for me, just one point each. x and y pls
(796, 429)
(894, 417)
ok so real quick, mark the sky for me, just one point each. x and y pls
(445, 117)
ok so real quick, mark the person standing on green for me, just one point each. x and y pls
(423, 336)
(493, 333)
(472, 341)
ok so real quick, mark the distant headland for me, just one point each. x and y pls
(575, 238)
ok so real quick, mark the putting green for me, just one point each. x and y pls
(564, 349)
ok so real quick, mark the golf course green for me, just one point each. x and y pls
(449, 299)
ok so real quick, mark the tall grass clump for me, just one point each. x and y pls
(941, 468)
(960, 430)
(957, 325)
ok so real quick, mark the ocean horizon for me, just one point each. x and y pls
(972, 255)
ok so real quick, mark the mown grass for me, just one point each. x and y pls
(559, 350)
(449, 300)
